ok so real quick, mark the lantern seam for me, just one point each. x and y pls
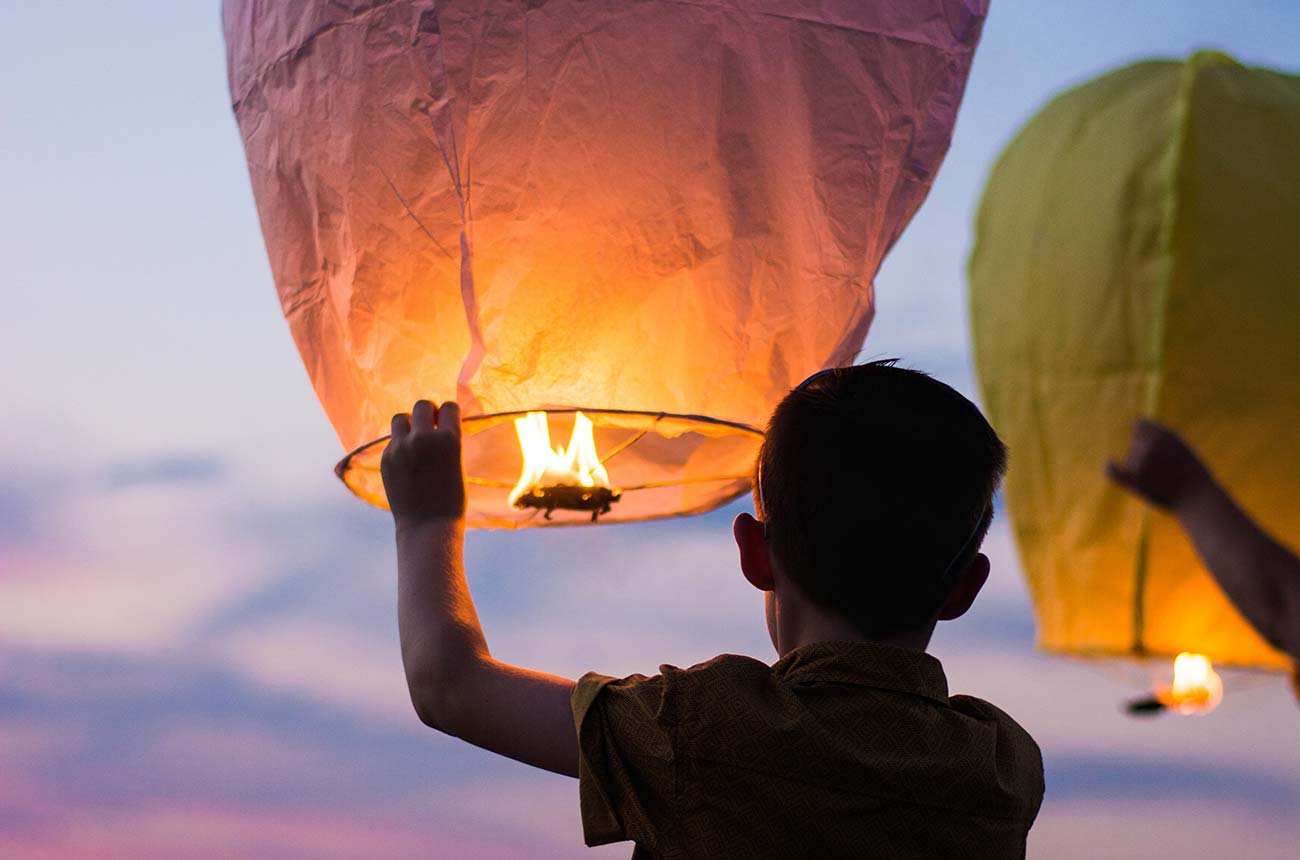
(1171, 270)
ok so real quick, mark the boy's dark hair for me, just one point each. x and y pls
(871, 481)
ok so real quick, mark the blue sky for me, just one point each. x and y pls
(197, 638)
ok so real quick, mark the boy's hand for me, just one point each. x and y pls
(1160, 466)
(421, 465)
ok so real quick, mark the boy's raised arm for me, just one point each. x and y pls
(455, 684)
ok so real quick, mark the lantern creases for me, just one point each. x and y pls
(659, 214)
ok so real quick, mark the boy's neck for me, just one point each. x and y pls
(798, 623)
(911, 641)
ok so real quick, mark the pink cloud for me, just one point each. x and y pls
(198, 832)
(1156, 829)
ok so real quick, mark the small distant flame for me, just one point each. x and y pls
(576, 465)
(1197, 688)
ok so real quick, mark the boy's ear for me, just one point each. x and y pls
(755, 557)
(968, 585)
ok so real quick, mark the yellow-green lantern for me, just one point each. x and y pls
(1137, 254)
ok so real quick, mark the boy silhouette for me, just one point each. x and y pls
(874, 490)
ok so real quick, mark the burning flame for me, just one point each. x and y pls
(1197, 688)
(578, 465)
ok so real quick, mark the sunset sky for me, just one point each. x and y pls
(198, 646)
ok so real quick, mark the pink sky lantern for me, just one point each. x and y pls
(646, 220)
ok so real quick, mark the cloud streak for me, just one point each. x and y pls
(170, 470)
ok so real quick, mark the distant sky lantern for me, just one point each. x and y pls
(644, 220)
(1137, 253)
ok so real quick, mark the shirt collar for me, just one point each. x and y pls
(869, 664)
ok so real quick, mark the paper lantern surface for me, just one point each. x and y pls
(662, 214)
(1138, 254)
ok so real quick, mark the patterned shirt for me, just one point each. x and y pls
(840, 749)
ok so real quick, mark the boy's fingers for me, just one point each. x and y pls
(401, 425)
(449, 417)
(423, 416)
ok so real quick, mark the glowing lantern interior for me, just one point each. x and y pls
(510, 454)
(570, 478)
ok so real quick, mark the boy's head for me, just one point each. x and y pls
(875, 487)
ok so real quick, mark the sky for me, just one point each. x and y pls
(198, 652)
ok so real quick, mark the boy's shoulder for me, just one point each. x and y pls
(826, 714)
(676, 694)
(985, 711)
(730, 669)
(849, 672)
(1010, 752)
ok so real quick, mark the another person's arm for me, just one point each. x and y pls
(456, 686)
(1259, 575)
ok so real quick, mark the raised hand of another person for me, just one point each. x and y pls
(1160, 467)
(1260, 575)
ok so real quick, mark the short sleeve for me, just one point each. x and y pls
(626, 757)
